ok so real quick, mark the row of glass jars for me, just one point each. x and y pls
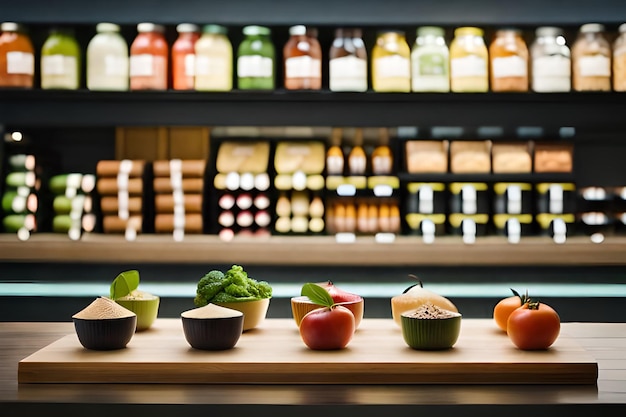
(203, 60)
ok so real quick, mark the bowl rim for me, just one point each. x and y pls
(105, 319)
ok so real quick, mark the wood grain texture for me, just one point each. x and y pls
(275, 354)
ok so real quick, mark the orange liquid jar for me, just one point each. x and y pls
(303, 60)
(508, 55)
(183, 57)
(149, 58)
(17, 62)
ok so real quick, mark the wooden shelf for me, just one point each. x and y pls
(313, 250)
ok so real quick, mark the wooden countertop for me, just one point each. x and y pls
(605, 341)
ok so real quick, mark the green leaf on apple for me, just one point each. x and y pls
(125, 283)
(317, 294)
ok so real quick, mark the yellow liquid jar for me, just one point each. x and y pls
(391, 63)
(469, 61)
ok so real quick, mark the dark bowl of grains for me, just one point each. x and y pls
(430, 327)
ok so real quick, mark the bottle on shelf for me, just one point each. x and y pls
(551, 61)
(17, 57)
(214, 60)
(302, 56)
(184, 56)
(430, 61)
(347, 69)
(591, 58)
(508, 59)
(149, 58)
(391, 63)
(469, 69)
(619, 60)
(60, 61)
(255, 59)
(107, 59)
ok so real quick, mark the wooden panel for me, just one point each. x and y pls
(147, 143)
(188, 143)
(275, 353)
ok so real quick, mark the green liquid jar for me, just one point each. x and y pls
(60, 61)
(255, 60)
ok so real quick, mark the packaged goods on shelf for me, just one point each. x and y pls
(430, 61)
(61, 60)
(551, 69)
(508, 59)
(73, 206)
(302, 55)
(256, 58)
(213, 61)
(179, 206)
(511, 157)
(124, 182)
(21, 199)
(16, 45)
(426, 156)
(553, 157)
(591, 59)
(470, 157)
(107, 59)
(149, 58)
(184, 56)
(469, 61)
(347, 65)
(391, 63)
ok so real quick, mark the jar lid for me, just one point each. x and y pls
(256, 30)
(430, 31)
(297, 30)
(149, 27)
(107, 27)
(592, 28)
(218, 29)
(508, 31)
(187, 28)
(10, 27)
(468, 31)
(548, 31)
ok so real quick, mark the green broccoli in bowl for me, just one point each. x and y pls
(233, 286)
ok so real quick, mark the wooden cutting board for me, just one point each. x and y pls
(274, 353)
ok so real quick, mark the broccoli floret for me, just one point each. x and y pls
(235, 285)
(208, 286)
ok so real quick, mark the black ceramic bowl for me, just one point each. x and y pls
(105, 334)
(213, 333)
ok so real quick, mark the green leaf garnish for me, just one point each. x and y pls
(317, 294)
(125, 283)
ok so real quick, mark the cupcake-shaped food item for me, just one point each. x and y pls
(430, 327)
(235, 290)
(413, 297)
(125, 292)
(104, 325)
(212, 327)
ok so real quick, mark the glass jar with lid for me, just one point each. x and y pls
(430, 61)
(508, 59)
(60, 60)
(149, 58)
(17, 56)
(214, 60)
(391, 63)
(302, 56)
(619, 60)
(591, 59)
(255, 59)
(348, 61)
(184, 56)
(551, 61)
(107, 59)
(469, 61)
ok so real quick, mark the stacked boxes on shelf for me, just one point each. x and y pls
(20, 201)
(72, 205)
(299, 181)
(120, 185)
(242, 189)
(178, 196)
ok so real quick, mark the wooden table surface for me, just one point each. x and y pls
(605, 341)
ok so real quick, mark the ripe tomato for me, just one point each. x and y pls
(327, 328)
(505, 307)
(534, 326)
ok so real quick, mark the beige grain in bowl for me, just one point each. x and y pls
(430, 327)
(104, 325)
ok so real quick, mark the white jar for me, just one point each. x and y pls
(551, 61)
(107, 59)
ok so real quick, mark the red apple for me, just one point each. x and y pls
(327, 328)
(353, 302)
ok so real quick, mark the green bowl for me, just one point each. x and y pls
(146, 309)
(430, 333)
